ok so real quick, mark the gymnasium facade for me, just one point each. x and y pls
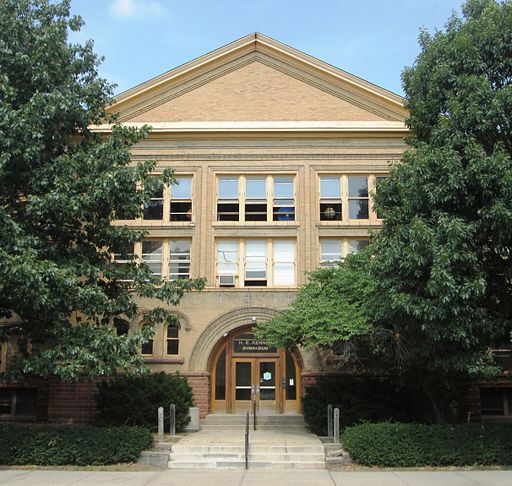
(276, 154)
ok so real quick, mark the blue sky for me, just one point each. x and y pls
(372, 39)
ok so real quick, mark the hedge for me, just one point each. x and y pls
(358, 399)
(413, 445)
(134, 400)
(79, 446)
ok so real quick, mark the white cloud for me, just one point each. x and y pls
(135, 8)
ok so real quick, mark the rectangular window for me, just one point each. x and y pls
(181, 199)
(284, 262)
(172, 340)
(227, 262)
(147, 347)
(179, 259)
(495, 402)
(256, 199)
(255, 263)
(152, 256)
(358, 197)
(284, 201)
(228, 205)
(355, 246)
(332, 251)
(330, 198)
(154, 208)
(18, 401)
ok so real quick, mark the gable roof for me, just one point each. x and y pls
(258, 55)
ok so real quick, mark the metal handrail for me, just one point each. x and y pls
(254, 408)
(246, 437)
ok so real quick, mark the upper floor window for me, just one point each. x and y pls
(179, 260)
(228, 205)
(256, 263)
(284, 199)
(255, 198)
(154, 208)
(181, 199)
(330, 198)
(346, 197)
(358, 197)
(335, 249)
(122, 327)
(152, 255)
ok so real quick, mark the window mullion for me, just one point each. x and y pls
(242, 181)
(270, 198)
(344, 198)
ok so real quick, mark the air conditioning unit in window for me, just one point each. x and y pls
(227, 280)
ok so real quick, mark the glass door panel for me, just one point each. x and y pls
(267, 381)
(243, 381)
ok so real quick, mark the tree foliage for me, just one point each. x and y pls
(442, 260)
(61, 185)
(438, 280)
(330, 308)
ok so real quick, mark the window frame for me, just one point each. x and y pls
(345, 199)
(173, 339)
(240, 276)
(243, 199)
(345, 248)
(170, 190)
(169, 275)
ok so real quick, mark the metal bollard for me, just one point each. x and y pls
(329, 420)
(336, 437)
(172, 420)
(160, 424)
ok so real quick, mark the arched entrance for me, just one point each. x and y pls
(244, 369)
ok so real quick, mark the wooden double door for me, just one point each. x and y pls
(256, 381)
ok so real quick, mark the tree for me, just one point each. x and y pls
(437, 286)
(442, 261)
(61, 186)
(330, 309)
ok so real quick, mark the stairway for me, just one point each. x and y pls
(281, 442)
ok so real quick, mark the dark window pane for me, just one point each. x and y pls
(255, 283)
(291, 378)
(357, 186)
(181, 211)
(122, 328)
(330, 212)
(228, 212)
(491, 401)
(172, 346)
(154, 210)
(358, 209)
(284, 210)
(256, 212)
(172, 332)
(5, 401)
(26, 401)
(220, 377)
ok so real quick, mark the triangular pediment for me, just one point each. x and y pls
(257, 79)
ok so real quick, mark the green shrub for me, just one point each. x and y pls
(359, 399)
(413, 445)
(134, 400)
(79, 446)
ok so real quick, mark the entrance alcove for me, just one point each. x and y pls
(244, 368)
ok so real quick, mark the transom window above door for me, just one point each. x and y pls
(254, 198)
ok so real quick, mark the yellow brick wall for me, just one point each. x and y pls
(256, 92)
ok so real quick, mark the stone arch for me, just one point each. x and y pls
(221, 326)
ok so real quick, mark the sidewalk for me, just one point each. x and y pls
(257, 478)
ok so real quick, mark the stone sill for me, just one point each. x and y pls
(177, 360)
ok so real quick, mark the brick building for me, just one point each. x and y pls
(276, 154)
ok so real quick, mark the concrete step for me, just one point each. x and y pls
(236, 464)
(255, 457)
(254, 448)
(281, 427)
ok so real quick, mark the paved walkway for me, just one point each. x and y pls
(257, 478)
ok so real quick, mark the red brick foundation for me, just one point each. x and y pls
(75, 404)
(200, 384)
